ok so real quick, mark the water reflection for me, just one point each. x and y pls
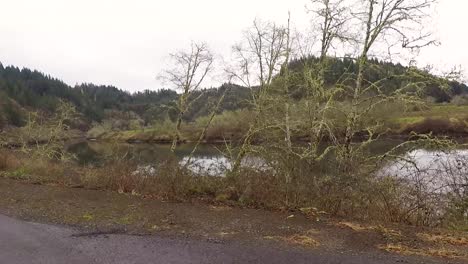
(436, 171)
(219, 165)
(207, 160)
(213, 166)
(96, 153)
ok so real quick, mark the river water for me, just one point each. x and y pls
(208, 159)
(434, 169)
(96, 152)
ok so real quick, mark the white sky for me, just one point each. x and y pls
(125, 42)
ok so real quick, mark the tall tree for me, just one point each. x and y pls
(391, 21)
(187, 72)
(259, 58)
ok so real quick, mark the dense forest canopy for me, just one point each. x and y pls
(23, 90)
(389, 75)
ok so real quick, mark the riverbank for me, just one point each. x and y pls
(105, 213)
(439, 120)
(153, 171)
(15, 138)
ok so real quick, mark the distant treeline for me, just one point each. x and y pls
(388, 75)
(23, 90)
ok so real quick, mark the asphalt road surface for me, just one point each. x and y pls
(24, 242)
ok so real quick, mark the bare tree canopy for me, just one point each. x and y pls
(395, 22)
(189, 68)
(188, 71)
(260, 56)
(332, 17)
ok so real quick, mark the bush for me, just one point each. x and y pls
(230, 125)
(282, 182)
(3, 162)
(460, 100)
(7, 161)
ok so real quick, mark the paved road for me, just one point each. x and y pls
(23, 242)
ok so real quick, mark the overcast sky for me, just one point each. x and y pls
(125, 42)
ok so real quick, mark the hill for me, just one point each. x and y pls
(24, 90)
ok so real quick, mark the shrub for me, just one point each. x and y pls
(3, 162)
(230, 125)
(459, 100)
(8, 161)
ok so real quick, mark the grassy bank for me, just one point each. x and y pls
(439, 119)
(314, 188)
(230, 125)
(446, 119)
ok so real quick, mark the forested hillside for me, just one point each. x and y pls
(23, 90)
(389, 76)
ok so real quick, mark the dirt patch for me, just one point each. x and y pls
(93, 209)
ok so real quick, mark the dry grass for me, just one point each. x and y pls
(11, 166)
(4, 161)
(434, 252)
(250, 188)
(420, 244)
(449, 126)
(304, 240)
(19, 166)
(169, 183)
(8, 160)
(354, 226)
(219, 208)
(426, 244)
(451, 239)
(389, 234)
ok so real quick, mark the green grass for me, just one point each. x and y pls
(232, 125)
(406, 120)
(21, 173)
(444, 111)
(137, 135)
(438, 111)
(440, 118)
(227, 125)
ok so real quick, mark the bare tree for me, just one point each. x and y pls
(45, 137)
(397, 21)
(188, 71)
(207, 125)
(258, 59)
(331, 19)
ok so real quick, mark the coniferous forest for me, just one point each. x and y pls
(24, 90)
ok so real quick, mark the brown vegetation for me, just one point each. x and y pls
(368, 199)
(437, 126)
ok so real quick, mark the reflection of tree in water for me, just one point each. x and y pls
(219, 165)
(435, 171)
(207, 160)
(95, 153)
(85, 155)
